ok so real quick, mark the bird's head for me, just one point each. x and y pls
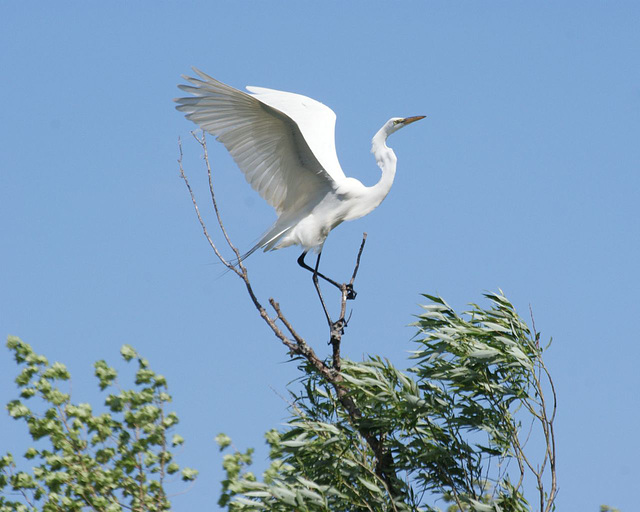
(395, 123)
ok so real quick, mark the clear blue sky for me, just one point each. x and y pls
(524, 177)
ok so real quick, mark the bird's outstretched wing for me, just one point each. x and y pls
(282, 142)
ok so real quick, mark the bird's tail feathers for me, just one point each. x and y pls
(267, 242)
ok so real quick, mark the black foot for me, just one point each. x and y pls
(351, 293)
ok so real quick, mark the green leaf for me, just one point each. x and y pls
(370, 485)
(106, 375)
(31, 453)
(128, 352)
(17, 409)
(189, 474)
(223, 441)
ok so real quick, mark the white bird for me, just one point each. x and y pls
(284, 144)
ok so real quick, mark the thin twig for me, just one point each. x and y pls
(202, 224)
(203, 143)
(337, 328)
(355, 270)
(286, 322)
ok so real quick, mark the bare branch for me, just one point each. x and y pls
(286, 323)
(296, 343)
(337, 328)
(202, 224)
(203, 143)
(355, 270)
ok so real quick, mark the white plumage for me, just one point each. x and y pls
(284, 143)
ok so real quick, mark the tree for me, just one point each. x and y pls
(367, 436)
(115, 461)
(447, 428)
(362, 436)
(450, 425)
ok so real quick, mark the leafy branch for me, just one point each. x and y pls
(114, 461)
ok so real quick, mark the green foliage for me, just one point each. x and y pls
(114, 461)
(446, 432)
(449, 424)
(475, 371)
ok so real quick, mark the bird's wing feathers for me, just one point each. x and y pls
(266, 142)
(316, 121)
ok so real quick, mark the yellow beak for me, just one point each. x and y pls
(409, 120)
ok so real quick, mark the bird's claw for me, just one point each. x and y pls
(351, 293)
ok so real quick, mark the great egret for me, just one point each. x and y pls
(284, 144)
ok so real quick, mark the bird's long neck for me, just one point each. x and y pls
(386, 160)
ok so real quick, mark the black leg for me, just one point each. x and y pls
(317, 285)
(351, 293)
(303, 264)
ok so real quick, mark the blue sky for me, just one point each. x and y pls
(524, 177)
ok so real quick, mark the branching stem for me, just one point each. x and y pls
(294, 342)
